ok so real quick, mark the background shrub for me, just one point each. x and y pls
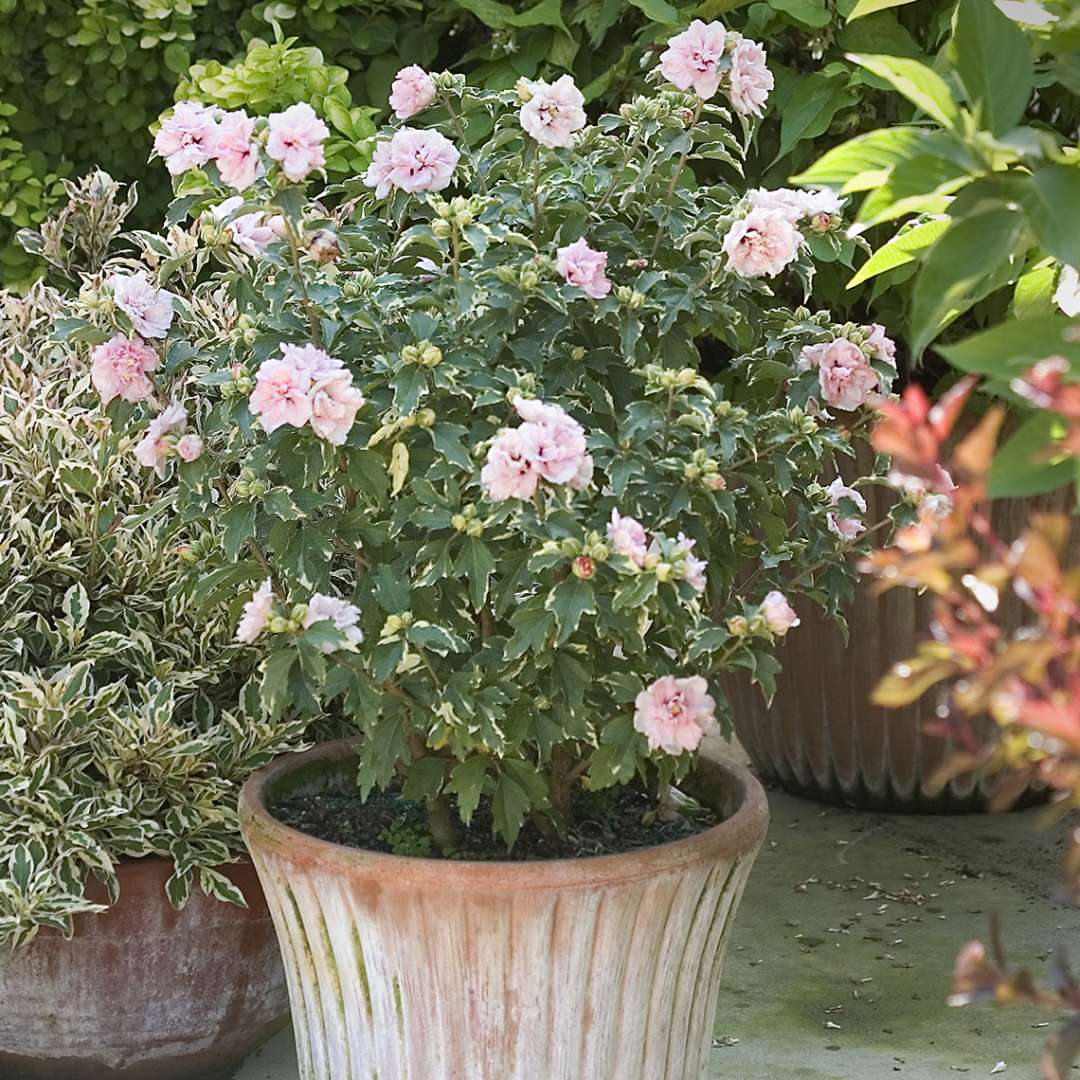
(81, 84)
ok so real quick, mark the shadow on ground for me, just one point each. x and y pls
(841, 956)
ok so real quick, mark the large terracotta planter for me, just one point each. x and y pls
(823, 739)
(601, 968)
(143, 992)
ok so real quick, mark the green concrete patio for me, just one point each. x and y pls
(844, 942)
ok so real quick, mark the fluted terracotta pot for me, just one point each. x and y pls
(144, 992)
(603, 968)
(823, 739)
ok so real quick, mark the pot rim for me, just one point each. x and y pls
(738, 834)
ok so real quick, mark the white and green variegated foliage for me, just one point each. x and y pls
(504, 642)
(127, 720)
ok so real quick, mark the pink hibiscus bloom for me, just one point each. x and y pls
(695, 567)
(847, 380)
(257, 612)
(884, 347)
(413, 160)
(779, 615)
(554, 112)
(750, 80)
(761, 244)
(691, 60)
(280, 395)
(296, 140)
(149, 308)
(510, 471)
(334, 405)
(189, 447)
(157, 445)
(413, 90)
(584, 268)
(674, 714)
(118, 368)
(847, 528)
(628, 537)
(186, 139)
(236, 154)
(344, 616)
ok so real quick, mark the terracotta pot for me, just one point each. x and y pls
(143, 992)
(602, 968)
(823, 739)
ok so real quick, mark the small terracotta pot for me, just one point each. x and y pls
(602, 968)
(824, 740)
(144, 992)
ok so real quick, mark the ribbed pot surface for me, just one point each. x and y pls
(601, 968)
(143, 992)
(823, 739)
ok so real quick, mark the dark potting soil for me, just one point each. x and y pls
(605, 823)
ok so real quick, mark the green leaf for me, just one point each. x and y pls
(178, 889)
(569, 600)
(501, 16)
(918, 185)
(1013, 346)
(948, 282)
(76, 605)
(809, 12)
(520, 789)
(921, 85)
(658, 11)
(862, 162)
(425, 778)
(810, 110)
(1027, 465)
(274, 689)
(868, 7)
(467, 783)
(1050, 197)
(899, 250)
(993, 57)
(239, 526)
(475, 563)
(216, 884)
(532, 623)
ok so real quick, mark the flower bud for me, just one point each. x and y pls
(324, 246)
(441, 230)
(189, 447)
(716, 482)
(411, 354)
(570, 547)
(624, 293)
(506, 274)
(523, 89)
(578, 353)
(187, 553)
(687, 377)
(278, 625)
(663, 571)
(600, 552)
(821, 223)
(738, 626)
(459, 522)
(425, 418)
(529, 279)
(692, 472)
(722, 409)
(652, 561)
(637, 264)
(475, 528)
(431, 356)
(298, 613)
(584, 567)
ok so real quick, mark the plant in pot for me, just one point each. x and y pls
(477, 493)
(134, 938)
(984, 174)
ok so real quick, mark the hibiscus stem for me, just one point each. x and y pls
(680, 165)
(536, 195)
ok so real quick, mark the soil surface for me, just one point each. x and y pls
(605, 823)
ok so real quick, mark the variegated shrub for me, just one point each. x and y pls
(127, 720)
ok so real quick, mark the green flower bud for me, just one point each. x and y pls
(578, 353)
(663, 571)
(459, 522)
(425, 418)
(475, 528)
(529, 279)
(431, 356)
(442, 230)
(570, 547)
(278, 625)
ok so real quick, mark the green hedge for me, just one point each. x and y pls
(81, 83)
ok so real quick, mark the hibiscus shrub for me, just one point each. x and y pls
(455, 434)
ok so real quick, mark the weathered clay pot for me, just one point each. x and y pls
(823, 739)
(601, 968)
(143, 992)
